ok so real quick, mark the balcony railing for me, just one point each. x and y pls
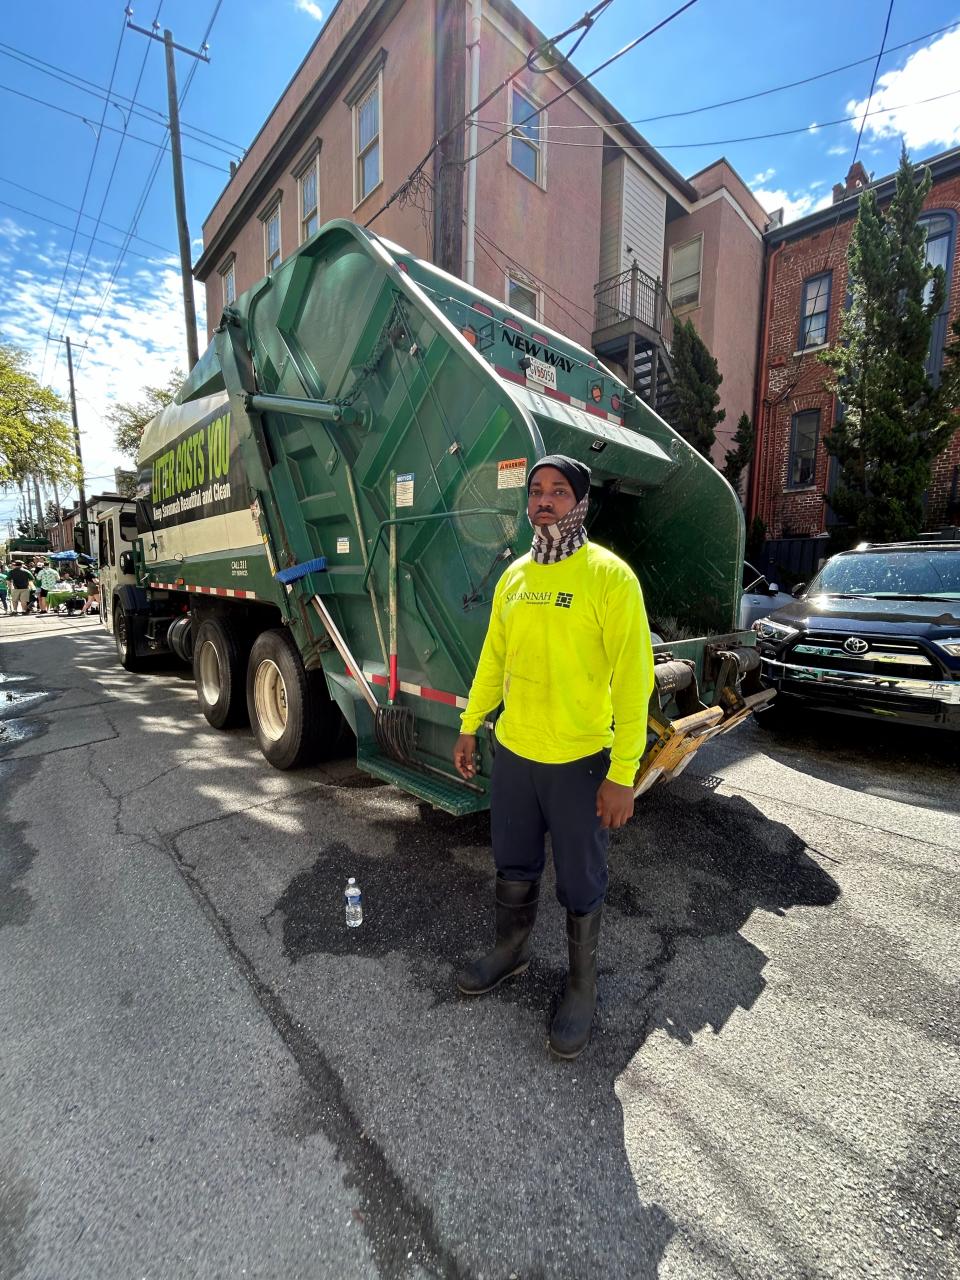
(633, 295)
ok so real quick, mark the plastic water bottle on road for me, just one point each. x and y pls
(354, 904)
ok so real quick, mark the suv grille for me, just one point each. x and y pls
(895, 658)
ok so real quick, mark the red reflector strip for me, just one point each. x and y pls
(421, 691)
(230, 593)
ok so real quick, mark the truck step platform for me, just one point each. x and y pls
(450, 796)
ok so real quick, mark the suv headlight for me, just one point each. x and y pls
(775, 632)
(951, 645)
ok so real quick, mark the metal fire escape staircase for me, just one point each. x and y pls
(634, 325)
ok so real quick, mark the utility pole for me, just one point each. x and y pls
(85, 532)
(56, 499)
(183, 233)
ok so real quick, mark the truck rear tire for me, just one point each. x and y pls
(291, 713)
(125, 633)
(218, 673)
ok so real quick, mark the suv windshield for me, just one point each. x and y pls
(890, 573)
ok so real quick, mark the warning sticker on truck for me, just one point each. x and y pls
(405, 489)
(343, 546)
(512, 473)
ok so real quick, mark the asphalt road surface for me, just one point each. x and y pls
(204, 1073)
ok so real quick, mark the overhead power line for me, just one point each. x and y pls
(730, 102)
(836, 222)
(119, 100)
(627, 48)
(86, 234)
(83, 201)
(110, 128)
(148, 187)
(751, 137)
(70, 209)
(414, 175)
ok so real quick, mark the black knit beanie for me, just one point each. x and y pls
(576, 473)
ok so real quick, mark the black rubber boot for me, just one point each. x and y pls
(516, 912)
(570, 1033)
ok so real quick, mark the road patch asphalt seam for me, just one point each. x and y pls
(406, 1239)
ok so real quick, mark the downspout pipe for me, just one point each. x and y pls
(762, 401)
(473, 44)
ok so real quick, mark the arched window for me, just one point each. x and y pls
(941, 228)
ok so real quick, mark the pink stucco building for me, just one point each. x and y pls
(585, 238)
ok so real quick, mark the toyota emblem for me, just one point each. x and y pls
(855, 645)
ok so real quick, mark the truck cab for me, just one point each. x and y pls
(116, 538)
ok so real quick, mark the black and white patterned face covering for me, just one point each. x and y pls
(555, 542)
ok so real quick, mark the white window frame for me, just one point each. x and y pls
(312, 168)
(229, 273)
(523, 282)
(374, 86)
(266, 218)
(689, 305)
(539, 146)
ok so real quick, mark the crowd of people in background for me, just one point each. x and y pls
(26, 587)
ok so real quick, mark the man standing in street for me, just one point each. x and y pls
(568, 653)
(21, 580)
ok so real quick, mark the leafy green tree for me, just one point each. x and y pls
(696, 381)
(735, 460)
(129, 418)
(896, 420)
(35, 435)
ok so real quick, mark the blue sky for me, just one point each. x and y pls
(127, 308)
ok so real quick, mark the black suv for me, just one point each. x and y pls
(876, 633)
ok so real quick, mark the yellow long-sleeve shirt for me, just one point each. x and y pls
(568, 654)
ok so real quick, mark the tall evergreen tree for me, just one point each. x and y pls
(695, 415)
(895, 419)
(735, 460)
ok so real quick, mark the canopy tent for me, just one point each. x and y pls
(72, 555)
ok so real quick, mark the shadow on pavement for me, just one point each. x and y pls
(686, 875)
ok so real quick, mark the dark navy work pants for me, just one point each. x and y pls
(527, 800)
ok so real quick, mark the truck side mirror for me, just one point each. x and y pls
(126, 562)
(798, 590)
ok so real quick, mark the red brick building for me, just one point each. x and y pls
(805, 293)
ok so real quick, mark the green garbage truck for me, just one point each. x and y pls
(324, 511)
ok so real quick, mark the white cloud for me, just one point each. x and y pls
(310, 9)
(759, 179)
(839, 150)
(793, 206)
(812, 127)
(926, 74)
(137, 341)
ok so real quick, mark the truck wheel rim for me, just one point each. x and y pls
(209, 668)
(270, 700)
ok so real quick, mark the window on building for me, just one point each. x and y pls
(804, 431)
(815, 311)
(685, 264)
(229, 278)
(941, 229)
(366, 132)
(526, 141)
(310, 199)
(523, 297)
(271, 240)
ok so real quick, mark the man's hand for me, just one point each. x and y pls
(614, 804)
(463, 754)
